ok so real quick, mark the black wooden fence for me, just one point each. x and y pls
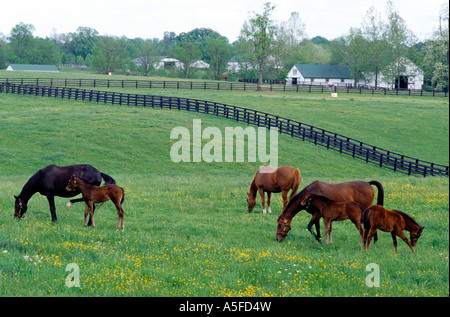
(213, 85)
(330, 140)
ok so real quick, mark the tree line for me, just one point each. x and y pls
(265, 49)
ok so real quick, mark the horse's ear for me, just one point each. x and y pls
(15, 197)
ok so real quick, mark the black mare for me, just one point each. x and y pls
(52, 180)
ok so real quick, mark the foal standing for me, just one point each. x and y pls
(393, 221)
(336, 211)
(98, 194)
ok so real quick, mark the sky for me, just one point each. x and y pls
(150, 19)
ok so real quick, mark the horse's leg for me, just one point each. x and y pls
(91, 214)
(331, 231)
(327, 224)
(367, 241)
(72, 201)
(394, 239)
(86, 212)
(365, 238)
(120, 214)
(404, 238)
(284, 196)
(317, 223)
(90, 220)
(51, 202)
(357, 222)
(314, 220)
(261, 193)
(293, 192)
(372, 232)
(269, 196)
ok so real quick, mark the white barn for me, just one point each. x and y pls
(411, 77)
(32, 68)
(318, 74)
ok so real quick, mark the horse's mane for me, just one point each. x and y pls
(405, 215)
(253, 189)
(31, 184)
(84, 180)
(298, 195)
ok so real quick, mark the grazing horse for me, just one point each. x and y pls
(98, 194)
(51, 181)
(336, 211)
(357, 191)
(393, 221)
(273, 180)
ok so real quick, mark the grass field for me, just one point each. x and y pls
(187, 232)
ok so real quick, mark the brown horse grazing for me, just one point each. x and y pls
(336, 211)
(393, 221)
(273, 180)
(98, 194)
(357, 191)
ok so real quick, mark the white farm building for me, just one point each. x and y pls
(411, 76)
(317, 74)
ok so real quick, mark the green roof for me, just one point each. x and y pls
(324, 71)
(32, 68)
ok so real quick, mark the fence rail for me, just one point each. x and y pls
(213, 85)
(321, 137)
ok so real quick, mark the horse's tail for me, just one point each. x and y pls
(123, 196)
(365, 219)
(380, 197)
(108, 179)
(297, 179)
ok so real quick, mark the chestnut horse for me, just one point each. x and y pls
(393, 221)
(273, 180)
(357, 191)
(98, 194)
(336, 211)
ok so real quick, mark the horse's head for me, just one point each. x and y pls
(415, 235)
(251, 201)
(72, 184)
(20, 207)
(283, 227)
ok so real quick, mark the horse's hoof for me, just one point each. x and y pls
(69, 205)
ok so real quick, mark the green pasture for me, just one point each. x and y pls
(187, 231)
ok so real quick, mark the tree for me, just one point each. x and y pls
(20, 42)
(146, 57)
(201, 37)
(218, 52)
(187, 53)
(109, 54)
(290, 36)
(377, 51)
(292, 32)
(43, 52)
(2, 51)
(399, 38)
(260, 33)
(84, 41)
(350, 49)
(437, 57)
